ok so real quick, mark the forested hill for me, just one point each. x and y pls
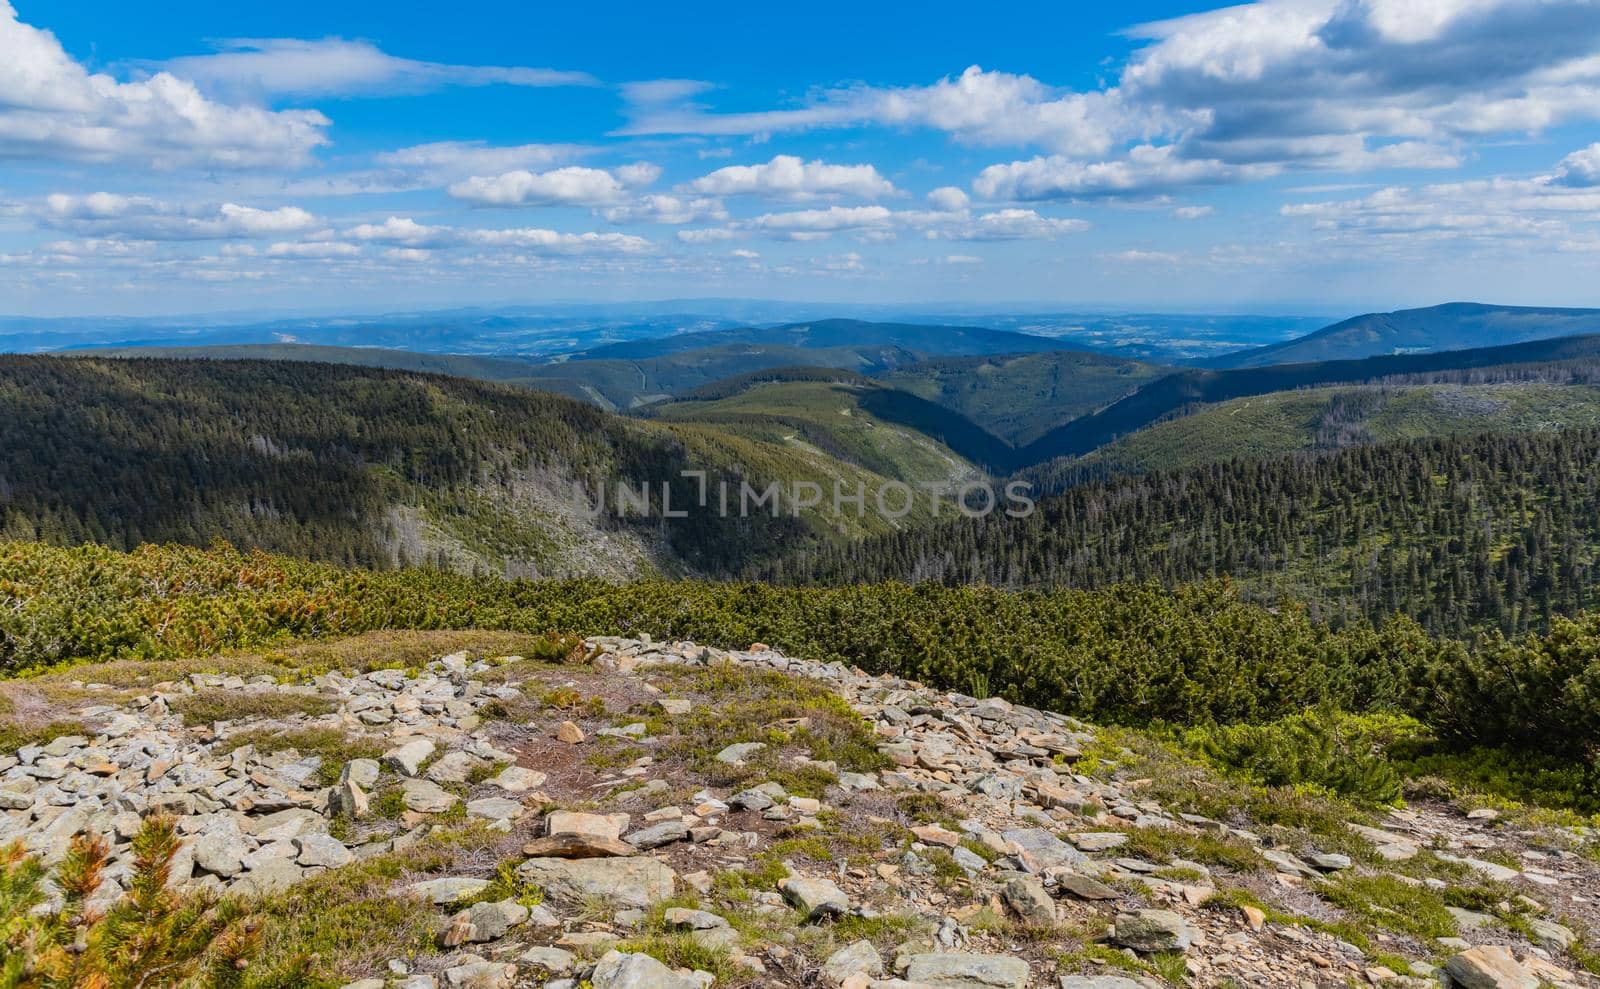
(1171, 394)
(1461, 533)
(358, 465)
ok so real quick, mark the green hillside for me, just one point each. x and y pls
(823, 334)
(627, 384)
(1180, 390)
(459, 365)
(1328, 418)
(844, 416)
(1465, 532)
(380, 468)
(1020, 396)
(1453, 326)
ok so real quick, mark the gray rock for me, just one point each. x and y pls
(1330, 861)
(957, 970)
(1489, 968)
(1098, 982)
(1028, 898)
(1099, 841)
(425, 797)
(481, 975)
(752, 799)
(627, 882)
(816, 898)
(1039, 850)
(453, 767)
(1551, 934)
(664, 833)
(553, 961)
(1084, 887)
(618, 970)
(361, 772)
(490, 921)
(496, 808)
(447, 889)
(1150, 931)
(272, 876)
(860, 958)
(519, 780)
(323, 850)
(694, 920)
(221, 854)
(407, 759)
(739, 751)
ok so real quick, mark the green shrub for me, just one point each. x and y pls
(1338, 753)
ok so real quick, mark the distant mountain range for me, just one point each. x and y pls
(1452, 326)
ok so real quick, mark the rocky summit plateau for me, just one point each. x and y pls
(648, 814)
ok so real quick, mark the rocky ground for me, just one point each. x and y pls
(666, 815)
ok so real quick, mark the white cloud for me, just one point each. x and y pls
(789, 177)
(1193, 212)
(1236, 94)
(52, 108)
(408, 233)
(267, 67)
(400, 230)
(746, 254)
(830, 220)
(666, 209)
(1136, 256)
(313, 250)
(1559, 211)
(1006, 224)
(573, 185)
(961, 259)
(1581, 169)
(881, 223)
(707, 235)
(477, 157)
(977, 107)
(1146, 171)
(948, 198)
(541, 241)
(105, 214)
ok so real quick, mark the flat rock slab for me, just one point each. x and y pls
(1490, 968)
(958, 970)
(577, 846)
(628, 882)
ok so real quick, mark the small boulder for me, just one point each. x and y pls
(1151, 931)
(1031, 903)
(1489, 968)
(816, 898)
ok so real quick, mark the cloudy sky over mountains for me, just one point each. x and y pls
(195, 157)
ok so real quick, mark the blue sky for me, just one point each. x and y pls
(1335, 154)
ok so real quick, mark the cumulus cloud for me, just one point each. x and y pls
(1146, 171)
(879, 223)
(312, 250)
(789, 177)
(1193, 212)
(573, 185)
(1581, 169)
(52, 108)
(948, 198)
(707, 235)
(1006, 224)
(408, 233)
(476, 157)
(1234, 94)
(104, 214)
(667, 209)
(829, 220)
(267, 67)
